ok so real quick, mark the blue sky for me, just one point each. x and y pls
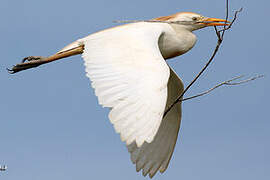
(51, 126)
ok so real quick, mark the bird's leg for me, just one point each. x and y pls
(27, 63)
(35, 61)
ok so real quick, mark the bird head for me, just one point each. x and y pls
(192, 21)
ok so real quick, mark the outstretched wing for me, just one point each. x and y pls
(129, 76)
(154, 156)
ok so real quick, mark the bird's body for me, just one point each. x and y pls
(173, 40)
(126, 65)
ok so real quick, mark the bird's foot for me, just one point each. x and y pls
(27, 63)
(32, 58)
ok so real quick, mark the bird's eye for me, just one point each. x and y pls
(194, 18)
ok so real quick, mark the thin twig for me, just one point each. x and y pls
(219, 41)
(245, 81)
(228, 83)
(234, 18)
(227, 16)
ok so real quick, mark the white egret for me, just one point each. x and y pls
(126, 65)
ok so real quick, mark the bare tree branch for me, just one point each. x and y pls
(220, 35)
(228, 83)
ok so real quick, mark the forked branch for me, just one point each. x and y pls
(225, 83)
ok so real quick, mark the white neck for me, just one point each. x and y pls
(176, 41)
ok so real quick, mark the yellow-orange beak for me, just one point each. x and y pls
(214, 22)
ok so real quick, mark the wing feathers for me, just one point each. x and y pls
(154, 156)
(128, 73)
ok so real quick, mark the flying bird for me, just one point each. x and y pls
(127, 68)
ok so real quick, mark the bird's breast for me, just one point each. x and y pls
(176, 42)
